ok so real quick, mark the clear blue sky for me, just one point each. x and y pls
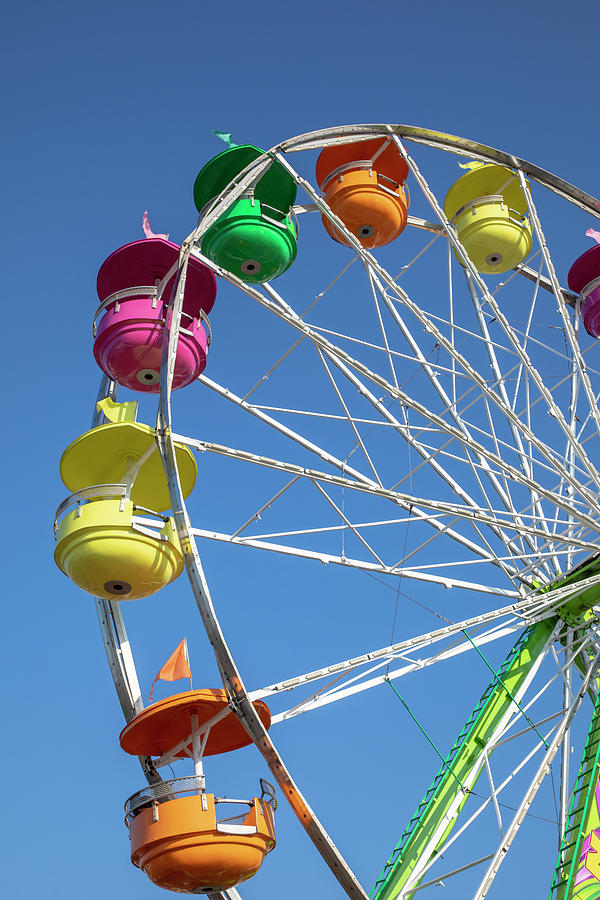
(108, 110)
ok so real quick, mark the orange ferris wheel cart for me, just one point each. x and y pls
(364, 185)
(185, 839)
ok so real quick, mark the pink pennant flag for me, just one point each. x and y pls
(148, 231)
(593, 234)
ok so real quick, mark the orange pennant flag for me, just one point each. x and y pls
(177, 666)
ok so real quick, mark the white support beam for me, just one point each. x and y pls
(446, 581)
(343, 693)
(405, 500)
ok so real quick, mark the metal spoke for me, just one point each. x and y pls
(554, 410)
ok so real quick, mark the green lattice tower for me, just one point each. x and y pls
(443, 802)
(577, 872)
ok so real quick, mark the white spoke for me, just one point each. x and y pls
(342, 359)
(447, 581)
(554, 410)
(412, 644)
(349, 417)
(348, 689)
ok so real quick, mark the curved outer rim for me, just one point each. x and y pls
(238, 696)
(314, 140)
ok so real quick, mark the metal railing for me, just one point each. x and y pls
(361, 164)
(143, 291)
(148, 292)
(281, 214)
(95, 492)
(102, 492)
(165, 791)
(513, 215)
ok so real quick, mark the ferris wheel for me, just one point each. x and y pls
(424, 412)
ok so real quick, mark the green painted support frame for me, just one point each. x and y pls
(437, 813)
(578, 608)
(583, 818)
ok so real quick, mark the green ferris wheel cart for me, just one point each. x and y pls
(255, 238)
(429, 419)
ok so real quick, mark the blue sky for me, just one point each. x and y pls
(108, 111)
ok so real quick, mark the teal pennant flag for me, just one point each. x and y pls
(226, 136)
